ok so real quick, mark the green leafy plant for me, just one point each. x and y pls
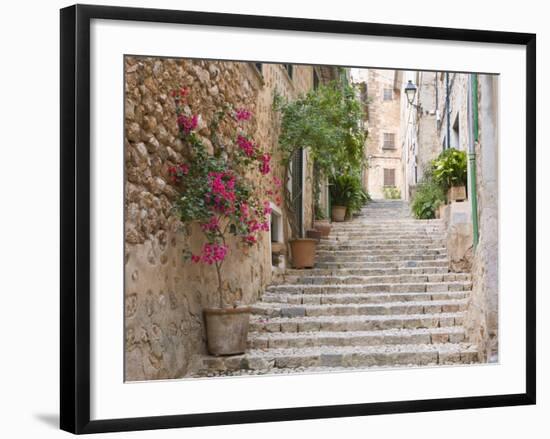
(450, 168)
(428, 197)
(392, 193)
(327, 122)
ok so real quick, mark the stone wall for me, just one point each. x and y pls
(164, 294)
(481, 321)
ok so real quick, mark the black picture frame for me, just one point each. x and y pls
(75, 217)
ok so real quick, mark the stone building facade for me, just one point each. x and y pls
(444, 115)
(164, 294)
(383, 143)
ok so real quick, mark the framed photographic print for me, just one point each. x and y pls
(268, 218)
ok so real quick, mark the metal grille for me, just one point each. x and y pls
(297, 167)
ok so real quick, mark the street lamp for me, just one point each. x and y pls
(410, 91)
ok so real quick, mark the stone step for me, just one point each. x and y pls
(278, 340)
(381, 222)
(384, 252)
(272, 310)
(354, 323)
(401, 263)
(373, 243)
(344, 357)
(342, 298)
(390, 257)
(346, 246)
(400, 228)
(405, 287)
(306, 278)
(398, 233)
(290, 273)
(397, 238)
(379, 227)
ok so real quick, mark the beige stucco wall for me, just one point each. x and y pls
(164, 294)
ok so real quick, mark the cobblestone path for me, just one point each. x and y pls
(380, 296)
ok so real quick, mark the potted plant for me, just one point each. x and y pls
(450, 172)
(428, 197)
(321, 223)
(347, 196)
(221, 191)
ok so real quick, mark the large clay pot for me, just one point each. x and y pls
(456, 193)
(227, 330)
(338, 213)
(313, 234)
(303, 252)
(323, 227)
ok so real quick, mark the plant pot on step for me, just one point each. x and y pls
(313, 234)
(338, 213)
(227, 330)
(323, 227)
(456, 193)
(303, 252)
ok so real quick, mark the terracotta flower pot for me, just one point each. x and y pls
(227, 330)
(323, 227)
(303, 252)
(313, 234)
(338, 213)
(456, 193)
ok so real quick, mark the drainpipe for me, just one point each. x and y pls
(448, 109)
(472, 141)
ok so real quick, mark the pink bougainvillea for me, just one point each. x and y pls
(187, 123)
(211, 253)
(246, 145)
(225, 191)
(242, 114)
(265, 167)
(178, 172)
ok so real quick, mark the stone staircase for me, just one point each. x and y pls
(380, 296)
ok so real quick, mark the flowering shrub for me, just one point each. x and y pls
(216, 189)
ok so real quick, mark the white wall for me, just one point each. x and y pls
(29, 256)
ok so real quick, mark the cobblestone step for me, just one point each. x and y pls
(291, 274)
(357, 279)
(359, 298)
(386, 247)
(413, 287)
(354, 323)
(345, 356)
(408, 251)
(391, 308)
(278, 340)
(388, 257)
(388, 227)
(400, 263)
